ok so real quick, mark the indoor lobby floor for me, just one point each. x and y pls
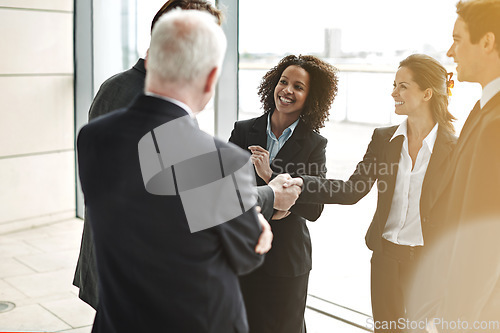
(36, 274)
(37, 265)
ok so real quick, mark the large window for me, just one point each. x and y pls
(365, 40)
(123, 34)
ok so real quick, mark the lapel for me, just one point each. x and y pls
(472, 121)
(437, 175)
(475, 118)
(390, 157)
(257, 134)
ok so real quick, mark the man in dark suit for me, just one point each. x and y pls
(119, 91)
(155, 275)
(471, 283)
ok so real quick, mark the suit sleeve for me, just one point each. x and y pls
(265, 199)
(240, 235)
(239, 238)
(317, 167)
(334, 191)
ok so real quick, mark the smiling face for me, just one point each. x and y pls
(464, 53)
(408, 96)
(291, 92)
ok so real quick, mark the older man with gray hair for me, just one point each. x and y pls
(172, 209)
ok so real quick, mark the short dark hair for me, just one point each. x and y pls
(323, 88)
(481, 16)
(188, 4)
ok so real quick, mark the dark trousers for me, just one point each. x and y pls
(274, 304)
(392, 271)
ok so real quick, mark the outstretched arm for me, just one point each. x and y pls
(333, 191)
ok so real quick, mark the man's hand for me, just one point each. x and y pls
(294, 181)
(266, 236)
(280, 214)
(284, 198)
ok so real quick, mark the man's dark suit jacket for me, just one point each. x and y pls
(119, 90)
(154, 274)
(380, 164)
(303, 153)
(115, 93)
(472, 285)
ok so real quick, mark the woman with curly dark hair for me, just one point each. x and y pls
(296, 96)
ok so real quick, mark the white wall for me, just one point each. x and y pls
(37, 181)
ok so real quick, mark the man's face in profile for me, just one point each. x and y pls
(465, 54)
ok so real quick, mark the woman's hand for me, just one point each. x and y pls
(260, 159)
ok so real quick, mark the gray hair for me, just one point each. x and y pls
(185, 45)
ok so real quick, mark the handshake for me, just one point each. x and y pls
(286, 191)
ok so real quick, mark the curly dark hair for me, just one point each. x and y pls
(323, 88)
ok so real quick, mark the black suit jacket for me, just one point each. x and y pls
(380, 164)
(116, 92)
(303, 153)
(119, 90)
(472, 287)
(265, 200)
(154, 274)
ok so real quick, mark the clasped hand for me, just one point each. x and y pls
(284, 197)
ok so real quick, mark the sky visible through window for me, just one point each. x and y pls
(384, 26)
(368, 40)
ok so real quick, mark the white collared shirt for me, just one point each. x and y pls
(403, 224)
(489, 91)
(174, 101)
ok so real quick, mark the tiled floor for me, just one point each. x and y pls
(36, 274)
(37, 265)
(36, 271)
